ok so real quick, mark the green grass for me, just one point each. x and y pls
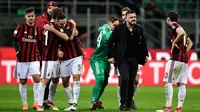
(148, 99)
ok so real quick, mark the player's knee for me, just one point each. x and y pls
(76, 77)
(65, 82)
(180, 84)
(23, 81)
(55, 80)
(36, 78)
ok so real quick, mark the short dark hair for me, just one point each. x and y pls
(57, 13)
(29, 10)
(125, 9)
(173, 15)
(113, 19)
(130, 12)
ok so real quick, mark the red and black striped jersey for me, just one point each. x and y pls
(178, 54)
(51, 43)
(27, 37)
(71, 48)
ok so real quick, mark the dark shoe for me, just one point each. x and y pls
(122, 107)
(133, 105)
(96, 105)
(45, 105)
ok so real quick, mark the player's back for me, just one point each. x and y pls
(178, 54)
(51, 42)
(101, 50)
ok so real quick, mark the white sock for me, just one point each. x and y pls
(35, 91)
(23, 93)
(41, 89)
(168, 94)
(135, 89)
(52, 91)
(118, 95)
(76, 91)
(68, 92)
(181, 95)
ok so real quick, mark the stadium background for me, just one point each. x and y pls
(89, 15)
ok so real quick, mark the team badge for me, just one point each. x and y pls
(15, 32)
(173, 27)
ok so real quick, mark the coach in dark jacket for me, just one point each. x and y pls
(127, 48)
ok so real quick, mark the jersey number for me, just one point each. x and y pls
(46, 37)
(99, 40)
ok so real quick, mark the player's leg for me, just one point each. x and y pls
(21, 73)
(46, 72)
(34, 71)
(53, 85)
(136, 82)
(52, 93)
(168, 85)
(118, 86)
(106, 76)
(182, 80)
(65, 72)
(98, 70)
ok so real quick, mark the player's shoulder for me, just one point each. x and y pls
(174, 25)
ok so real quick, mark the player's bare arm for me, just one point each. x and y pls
(180, 34)
(58, 33)
(73, 30)
(189, 44)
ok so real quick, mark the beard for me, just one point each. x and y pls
(132, 24)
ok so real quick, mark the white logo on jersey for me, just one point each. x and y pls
(173, 27)
(15, 32)
(61, 30)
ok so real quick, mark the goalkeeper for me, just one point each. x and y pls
(99, 62)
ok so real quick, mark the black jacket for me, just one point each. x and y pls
(117, 44)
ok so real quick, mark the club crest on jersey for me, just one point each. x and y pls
(173, 27)
(68, 27)
(61, 30)
(25, 32)
(15, 32)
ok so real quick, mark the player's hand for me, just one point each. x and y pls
(76, 32)
(84, 55)
(173, 46)
(111, 60)
(60, 54)
(73, 22)
(48, 27)
(146, 59)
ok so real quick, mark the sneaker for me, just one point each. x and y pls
(74, 107)
(35, 104)
(165, 109)
(131, 105)
(122, 107)
(68, 107)
(179, 109)
(40, 108)
(25, 107)
(96, 105)
(51, 105)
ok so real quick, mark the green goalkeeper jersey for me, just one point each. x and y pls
(101, 49)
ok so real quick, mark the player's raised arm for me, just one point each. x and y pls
(58, 33)
(189, 44)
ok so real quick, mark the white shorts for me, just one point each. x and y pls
(50, 69)
(72, 66)
(175, 72)
(117, 72)
(25, 69)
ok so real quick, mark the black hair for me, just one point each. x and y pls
(130, 12)
(57, 13)
(29, 10)
(173, 15)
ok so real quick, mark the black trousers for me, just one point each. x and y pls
(128, 70)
